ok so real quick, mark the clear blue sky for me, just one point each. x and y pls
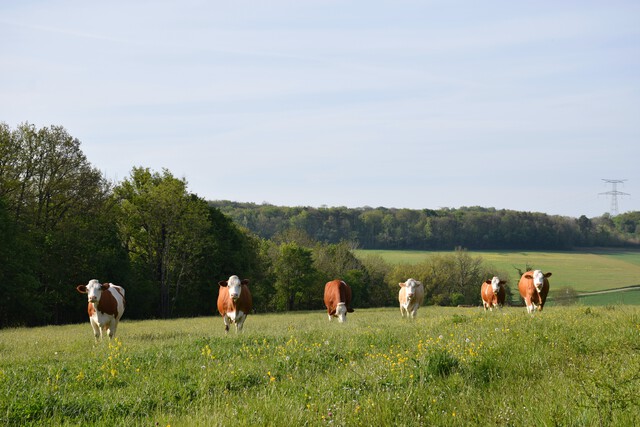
(523, 105)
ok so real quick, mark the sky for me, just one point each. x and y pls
(522, 105)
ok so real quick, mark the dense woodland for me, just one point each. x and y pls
(474, 228)
(63, 223)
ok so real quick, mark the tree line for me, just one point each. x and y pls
(63, 223)
(475, 228)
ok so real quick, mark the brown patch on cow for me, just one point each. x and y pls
(108, 303)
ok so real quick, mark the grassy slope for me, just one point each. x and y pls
(559, 367)
(583, 271)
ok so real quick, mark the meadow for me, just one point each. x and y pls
(584, 271)
(572, 366)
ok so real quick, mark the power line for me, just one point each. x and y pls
(614, 193)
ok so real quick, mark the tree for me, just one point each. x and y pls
(295, 277)
(57, 204)
(163, 229)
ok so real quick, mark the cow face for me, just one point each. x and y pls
(93, 290)
(410, 288)
(234, 286)
(495, 284)
(538, 279)
(341, 312)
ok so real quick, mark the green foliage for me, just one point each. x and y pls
(297, 284)
(475, 227)
(57, 215)
(164, 230)
(449, 278)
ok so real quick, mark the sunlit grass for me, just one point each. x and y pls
(583, 271)
(556, 367)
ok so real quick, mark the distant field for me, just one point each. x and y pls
(583, 271)
(629, 297)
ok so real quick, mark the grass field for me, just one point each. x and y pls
(583, 271)
(450, 367)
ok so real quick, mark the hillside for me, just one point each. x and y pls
(474, 228)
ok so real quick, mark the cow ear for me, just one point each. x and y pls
(488, 282)
(402, 285)
(222, 283)
(244, 282)
(503, 282)
(105, 286)
(547, 275)
(528, 276)
(82, 289)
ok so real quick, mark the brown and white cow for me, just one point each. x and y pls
(106, 305)
(534, 287)
(337, 299)
(493, 293)
(410, 297)
(234, 302)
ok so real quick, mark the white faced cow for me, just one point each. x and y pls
(492, 293)
(106, 305)
(337, 299)
(410, 297)
(234, 302)
(534, 287)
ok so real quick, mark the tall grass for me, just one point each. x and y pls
(451, 366)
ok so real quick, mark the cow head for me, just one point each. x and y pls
(538, 278)
(495, 284)
(234, 286)
(410, 288)
(341, 312)
(93, 289)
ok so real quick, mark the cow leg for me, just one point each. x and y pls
(531, 307)
(96, 329)
(225, 319)
(112, 328)
(240, 323)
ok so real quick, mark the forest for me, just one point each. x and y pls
(474, 228)
(63, 223)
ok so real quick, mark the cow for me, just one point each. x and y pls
(493, 293)
(337, 299)
(410, 297)
(234, 302)
(106, 305)
(534, 287)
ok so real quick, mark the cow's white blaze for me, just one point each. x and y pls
(410, 289)
(234, 287)
(94, 291)
(341, 312)
(538, 279)
(495, 284)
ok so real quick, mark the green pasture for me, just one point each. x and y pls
(558, 367)
(583, 271)
(631, 296)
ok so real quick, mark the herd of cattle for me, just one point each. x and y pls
(107, 302)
